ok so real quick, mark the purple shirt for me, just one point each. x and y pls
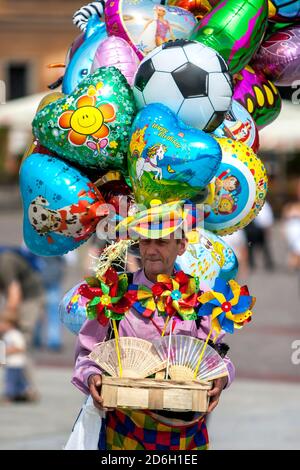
(135, 325)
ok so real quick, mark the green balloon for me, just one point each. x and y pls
(274, 27)
(91, 126)
(235, 29)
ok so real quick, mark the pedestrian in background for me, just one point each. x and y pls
(24, 303)
(291, 230)
(259, 237)
(16, 387)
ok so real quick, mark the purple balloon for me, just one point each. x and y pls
(279, 56)
(116, 52)
(258, 95)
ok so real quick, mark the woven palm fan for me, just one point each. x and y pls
(139, 358)
(184, 352)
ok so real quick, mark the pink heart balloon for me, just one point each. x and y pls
(116, 52)
(146, 25)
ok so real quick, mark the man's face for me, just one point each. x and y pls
(158, 256)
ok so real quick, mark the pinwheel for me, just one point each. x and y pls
(106, 296)
(228, 304)
(177, 295)
(142, 299)
(107, 301)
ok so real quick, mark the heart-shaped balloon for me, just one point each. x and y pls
(116, 52)
(234, 28)
(258, 95)
(168, 160)
(238, 191)
(239, 125)
(35, 146)
(208, 257)
(145, 25)
(91, 126)
(61, 206)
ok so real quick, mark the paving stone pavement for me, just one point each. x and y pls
(250, 415)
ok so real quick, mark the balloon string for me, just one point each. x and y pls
(165, 327)
(117, 346)
(202, 353)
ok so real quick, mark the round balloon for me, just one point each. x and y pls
(61, 206)
(168, 160)
(145, 25)
(239, 125)
(258, 95)
(117, 52)
(234, 28)
(238, 190)
(80, 59)
(72, 311)
(279, 56)
(91, 126)
(188, 77)
(284, 10)
(208, 258)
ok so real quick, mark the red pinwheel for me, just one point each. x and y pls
(106, 296)
(177, 295)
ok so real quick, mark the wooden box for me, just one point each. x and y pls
(155, 394)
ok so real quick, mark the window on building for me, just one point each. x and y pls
(17, 80)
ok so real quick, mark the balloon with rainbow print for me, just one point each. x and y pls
(72, 309)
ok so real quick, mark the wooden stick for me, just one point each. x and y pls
(166, 324)
(117, 346)
(202, 352)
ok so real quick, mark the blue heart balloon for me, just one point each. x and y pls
(167, 159)
(61, 206)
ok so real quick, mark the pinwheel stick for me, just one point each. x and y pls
(165, 326)
(117, 346)
(169, 347)
(202, 352)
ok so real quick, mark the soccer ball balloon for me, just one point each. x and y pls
(188, 77)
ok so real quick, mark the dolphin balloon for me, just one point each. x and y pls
(82, 59)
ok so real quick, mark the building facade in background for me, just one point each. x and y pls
(34, 34)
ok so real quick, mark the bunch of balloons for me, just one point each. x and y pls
(160, 103)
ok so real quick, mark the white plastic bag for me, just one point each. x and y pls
(86, 430)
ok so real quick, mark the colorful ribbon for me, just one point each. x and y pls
(228, 304)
